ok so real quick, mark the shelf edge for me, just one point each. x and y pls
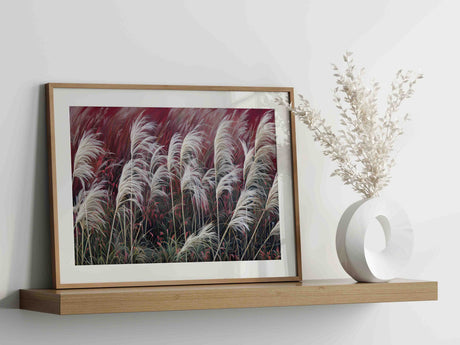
(113, 300)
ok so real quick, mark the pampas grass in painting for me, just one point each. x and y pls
(156, 185)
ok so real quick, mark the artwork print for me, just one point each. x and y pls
(157, 185)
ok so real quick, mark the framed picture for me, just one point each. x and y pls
(170, 185)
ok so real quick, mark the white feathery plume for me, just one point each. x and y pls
(90, 214)
(191, 147)
(241, 126)
(174, 150)
(132, 183)
(88, 150)
(200, 198)
(265, 149)
(272, 202)
(141, 138)
(265, 132)
(135, 174)
(271, 205)
(227, 181)
(205, 236)
(157, 157)
(208, 179)
(276, 230)
(201, 194)
(157, 181)
(223, 149)
(90, 210)
(223, 160)
(131, 189)
(158, 174)
(190, 178)
(243, 215)
(248, 159)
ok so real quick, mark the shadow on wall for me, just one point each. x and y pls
(39, 267)
(269, 325)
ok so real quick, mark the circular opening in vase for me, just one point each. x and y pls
(378, 234)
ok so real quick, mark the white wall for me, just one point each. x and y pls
(257, 43)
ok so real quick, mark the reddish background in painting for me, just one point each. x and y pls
(114, 123)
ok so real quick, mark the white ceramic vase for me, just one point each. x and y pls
(366, 265)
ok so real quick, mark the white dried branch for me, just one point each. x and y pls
(363, 147)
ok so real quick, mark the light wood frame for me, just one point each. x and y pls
(53, 184)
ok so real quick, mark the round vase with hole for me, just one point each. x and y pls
(367, 265)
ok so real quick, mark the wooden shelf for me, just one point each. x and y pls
(141, 299)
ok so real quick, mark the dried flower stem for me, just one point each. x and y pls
(363, 147)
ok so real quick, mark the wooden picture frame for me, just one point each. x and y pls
(85, 256)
